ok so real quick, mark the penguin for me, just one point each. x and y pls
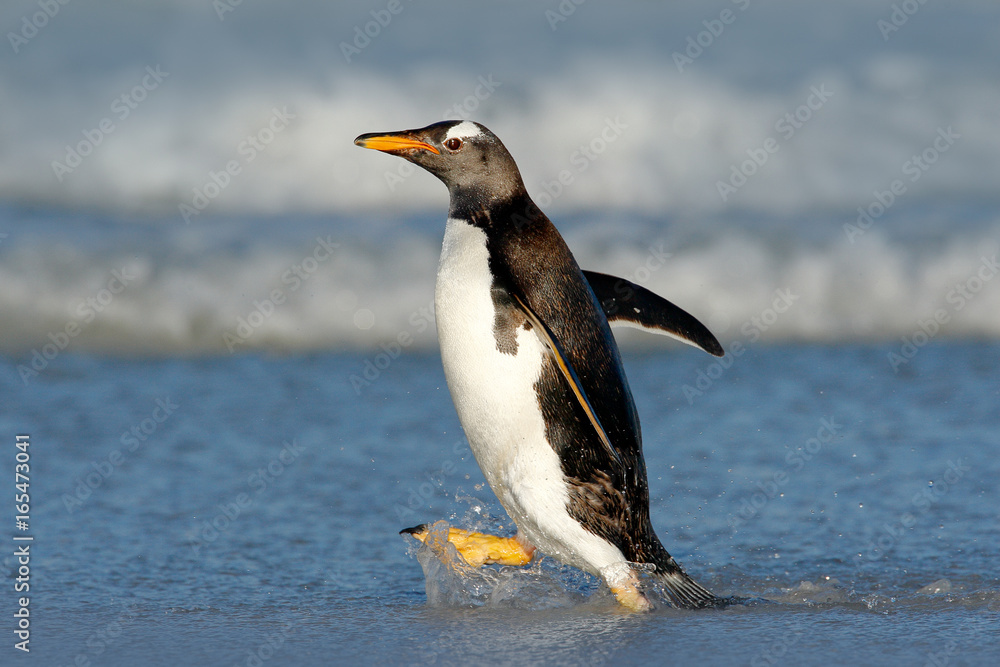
(536, 375)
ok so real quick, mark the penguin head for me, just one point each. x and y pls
(466, 156)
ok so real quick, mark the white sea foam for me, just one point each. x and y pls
(676, 142)
(679, 133)
(261, 295)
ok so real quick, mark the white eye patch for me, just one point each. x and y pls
(463, 130)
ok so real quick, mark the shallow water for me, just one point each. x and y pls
(261, 516)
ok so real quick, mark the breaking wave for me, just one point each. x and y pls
(315, 285)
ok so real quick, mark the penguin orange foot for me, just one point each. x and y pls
(480, 548)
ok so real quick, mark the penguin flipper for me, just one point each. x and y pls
(566, 368)
(628, 304)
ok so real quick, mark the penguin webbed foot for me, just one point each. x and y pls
(632, 598)
(476, 549)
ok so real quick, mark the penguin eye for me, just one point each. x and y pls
(453, 144)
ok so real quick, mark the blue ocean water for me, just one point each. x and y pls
(216, 324)
(260, 517)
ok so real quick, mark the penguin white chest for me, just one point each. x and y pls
(496, 398)
(493, 390)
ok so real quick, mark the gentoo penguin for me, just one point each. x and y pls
(536, 376)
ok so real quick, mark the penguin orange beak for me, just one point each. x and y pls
(392, 143)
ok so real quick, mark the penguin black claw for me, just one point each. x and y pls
(416, 530)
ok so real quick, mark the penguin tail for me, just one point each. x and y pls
(669, 579)
(683, 591)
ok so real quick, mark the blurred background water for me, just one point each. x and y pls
(184, 219)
